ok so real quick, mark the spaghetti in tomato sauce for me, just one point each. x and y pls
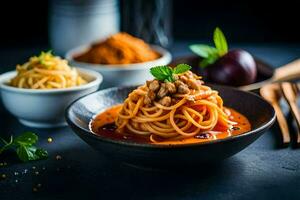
(104, 125)
(175, 111)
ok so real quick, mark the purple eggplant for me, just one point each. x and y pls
(223, 66)
(235, 68)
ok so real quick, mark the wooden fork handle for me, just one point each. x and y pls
(296, 114)
(287, 72)
(282, 124)
(290, 96)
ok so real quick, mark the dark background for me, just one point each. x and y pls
(24, 23)
(259, 172)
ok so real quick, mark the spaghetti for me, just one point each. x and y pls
(46, 71)
(174, 111)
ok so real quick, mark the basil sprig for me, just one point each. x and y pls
(24, 145)
(166, 73)
(211, 54)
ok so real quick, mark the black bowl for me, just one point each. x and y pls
(79, 114)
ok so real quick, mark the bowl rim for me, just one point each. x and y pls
(165, 56)
(98, 79)
(90, 134)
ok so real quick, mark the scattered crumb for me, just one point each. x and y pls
(33, 167)
(3, 176)
(58, 157)
(36, 173)
(34, 189)
(49, 140)
(39, 185)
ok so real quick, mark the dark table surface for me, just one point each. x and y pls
(261, 171)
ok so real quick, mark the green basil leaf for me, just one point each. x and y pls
(220, 41)
(24, 147)
(202, 50)
(41, 153)
(169, 79)
(161, 72)
(209, 61)
(26, 138)
(167, 70)
(181, 68)
(25, 153)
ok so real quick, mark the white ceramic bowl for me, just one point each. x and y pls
(43, 108)
(121, 74)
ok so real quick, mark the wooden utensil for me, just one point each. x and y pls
(287, 72)
(288, 91)
(272, 94)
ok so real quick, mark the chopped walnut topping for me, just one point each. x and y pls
(147, 101)
(171, 87)
(163, 91)
(148, 82)
(178, 83)
(150, 96)
(183, 89)
(154, 85)
(166, 101)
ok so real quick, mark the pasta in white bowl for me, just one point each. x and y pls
(39, 98)
(46, 71)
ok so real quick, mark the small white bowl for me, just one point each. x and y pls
(121, 74)
(42, 108)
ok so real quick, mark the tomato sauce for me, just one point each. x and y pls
(103, 125)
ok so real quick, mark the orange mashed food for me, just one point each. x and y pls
(120, 48)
